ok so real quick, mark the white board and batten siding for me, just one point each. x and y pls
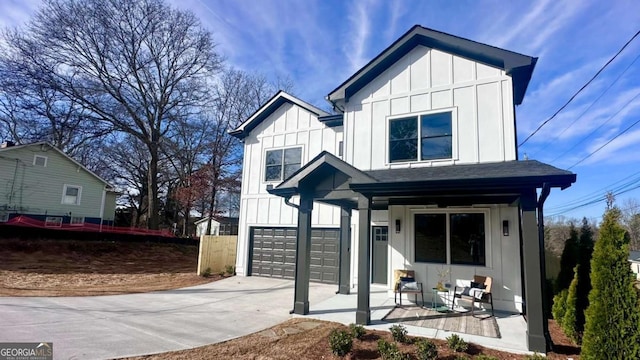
(288, 126)
(428, 80)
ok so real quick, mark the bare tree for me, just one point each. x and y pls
(137, 65)
(631, 221)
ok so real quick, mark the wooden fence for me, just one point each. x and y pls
(216, 253)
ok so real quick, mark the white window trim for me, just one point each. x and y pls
(64, 193)
(488, 230)
(36, 157)
(454, 136)
(53, 221)
(264, 162)
(72, 223)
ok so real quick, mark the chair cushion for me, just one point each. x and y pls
(409, 285)
(465, 291)
(477, 285)
(407, 279)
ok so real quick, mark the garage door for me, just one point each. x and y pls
(273, 253)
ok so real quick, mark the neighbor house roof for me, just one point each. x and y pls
(518, 66)
(44, 143)
(220, 220)
(279, 99)
(634, 256)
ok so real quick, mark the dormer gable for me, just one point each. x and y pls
(519, 67)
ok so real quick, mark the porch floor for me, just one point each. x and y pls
(342, 309)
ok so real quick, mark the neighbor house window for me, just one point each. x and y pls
(53, 221)
(76, 220)
(421, 137)
(463, 233)
(4, 217)
(39, 160)
(71, 194)
(281, 163)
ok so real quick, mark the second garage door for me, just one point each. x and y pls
(273, 253)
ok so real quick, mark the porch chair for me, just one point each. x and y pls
(476, 291)
(405, 283)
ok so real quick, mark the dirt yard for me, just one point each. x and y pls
(81, 268)
(298, 339)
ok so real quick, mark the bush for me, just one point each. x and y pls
(570, 311)
(559, 304)
(390, 351)
(357, 331)
(426, 349)
(535, 356)
(457, 344)
(399, 334)
(206, 272)
(611, 320)
(230, 269)
(485, 357)
(340, 342)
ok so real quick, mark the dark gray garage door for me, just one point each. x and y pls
(273, 253)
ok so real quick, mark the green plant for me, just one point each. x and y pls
(230, 269)
(206, 272)
(611, 320)
(399, 333)
(390, 351)
(456, 343)
(357, 331)
(340, 341)
(485, 357)
(426, 349)
(570, 311)
(568, 259)
(461, 357)
(558, 308)
(535, 356)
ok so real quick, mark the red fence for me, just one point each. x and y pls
(33, 223)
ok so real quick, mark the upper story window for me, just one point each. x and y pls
(281, 163)
(71, 194)
(421, 137)
(39, 160)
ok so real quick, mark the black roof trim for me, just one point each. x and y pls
(518, 66)
(332, 120)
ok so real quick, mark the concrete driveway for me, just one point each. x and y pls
(102, 327)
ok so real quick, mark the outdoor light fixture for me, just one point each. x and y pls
(505, 227)
(397, 226)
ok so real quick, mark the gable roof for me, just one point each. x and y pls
(279, 99)
(219, 220)
(45, 143)
(518, 66)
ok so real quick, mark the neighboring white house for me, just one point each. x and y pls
(634, 259)
(219, 226)
(418, 168)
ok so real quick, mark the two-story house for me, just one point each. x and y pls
(41, 182)
(418, 169)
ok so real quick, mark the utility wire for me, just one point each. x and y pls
(598, 128)
(605, 144)
(556, 137)
(580, 90)
(593, 202)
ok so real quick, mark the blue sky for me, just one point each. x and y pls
(318, 44)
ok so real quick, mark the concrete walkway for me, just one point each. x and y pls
(103, 327)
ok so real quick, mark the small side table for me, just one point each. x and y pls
(434, 294)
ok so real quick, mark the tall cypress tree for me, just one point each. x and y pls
(612, 318)
(585, 251)
(568, 260)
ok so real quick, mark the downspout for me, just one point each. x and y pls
(104, 192)
(544, 193)
(287, 201)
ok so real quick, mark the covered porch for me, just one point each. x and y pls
(508, 185)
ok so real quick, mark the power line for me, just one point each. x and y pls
(580, 90)
(594, 202)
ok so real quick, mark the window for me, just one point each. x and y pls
(71, 194)
(428, 135)
(463, 233)
(281, 163)
(39, 160)
(53, 221)
(4, 217)
(76, 221)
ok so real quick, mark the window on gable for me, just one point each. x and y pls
(71, 194)
(76, 221)
(463, 233)
(39, 160)
(282, 163)
(423, 137)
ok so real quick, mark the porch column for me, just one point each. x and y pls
(533, 282)
(303, 255)
(344, 279)
(363, 313)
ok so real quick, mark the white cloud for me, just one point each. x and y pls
(359, 19)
